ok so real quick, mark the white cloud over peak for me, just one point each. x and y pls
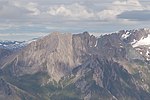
(33, 7)
(133, 2)
(73, 11)
(110, 13)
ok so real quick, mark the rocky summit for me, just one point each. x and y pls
(81, 66)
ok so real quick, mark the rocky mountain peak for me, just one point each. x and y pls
(60, 53)
(138, 39)
(55, 53)
(84, 66)
(132, 36)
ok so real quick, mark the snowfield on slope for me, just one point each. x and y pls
(142, 41)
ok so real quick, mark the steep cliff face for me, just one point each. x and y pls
(4, 53)
(53, 53)
(56, 53)
(82, 66)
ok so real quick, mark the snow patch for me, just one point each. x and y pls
(133, 42)
(96, 43)
(126, 35)
(28, 42)
(142, 41)
(147, 59)
(121, 46)
(147, 53)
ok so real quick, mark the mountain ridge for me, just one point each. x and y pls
(82, 67)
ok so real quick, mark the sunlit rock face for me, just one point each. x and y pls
(56, 53)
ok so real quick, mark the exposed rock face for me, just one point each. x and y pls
(60, 53)
(110, 77)
(4, 53)
(56, 53)
(5, 88)
(84, 66)
(53, 53)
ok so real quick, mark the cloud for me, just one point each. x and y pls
(31, 16)
(136, 15)
(35, 11)
(33, 7)
(119, 7)
(10, 11)
(73, 11)
(17, 11)
(82, 12)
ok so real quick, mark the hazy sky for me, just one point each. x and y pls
(26, 19)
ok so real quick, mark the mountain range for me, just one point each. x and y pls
(81, 66)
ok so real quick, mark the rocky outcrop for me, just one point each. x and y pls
(4, 53)
(5, 88)
(56, 53)
(107, 76)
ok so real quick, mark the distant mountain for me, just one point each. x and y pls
(140, 40)
(80, 67)
(11, 45)
(15, 45)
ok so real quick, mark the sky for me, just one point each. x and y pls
(27, 19)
